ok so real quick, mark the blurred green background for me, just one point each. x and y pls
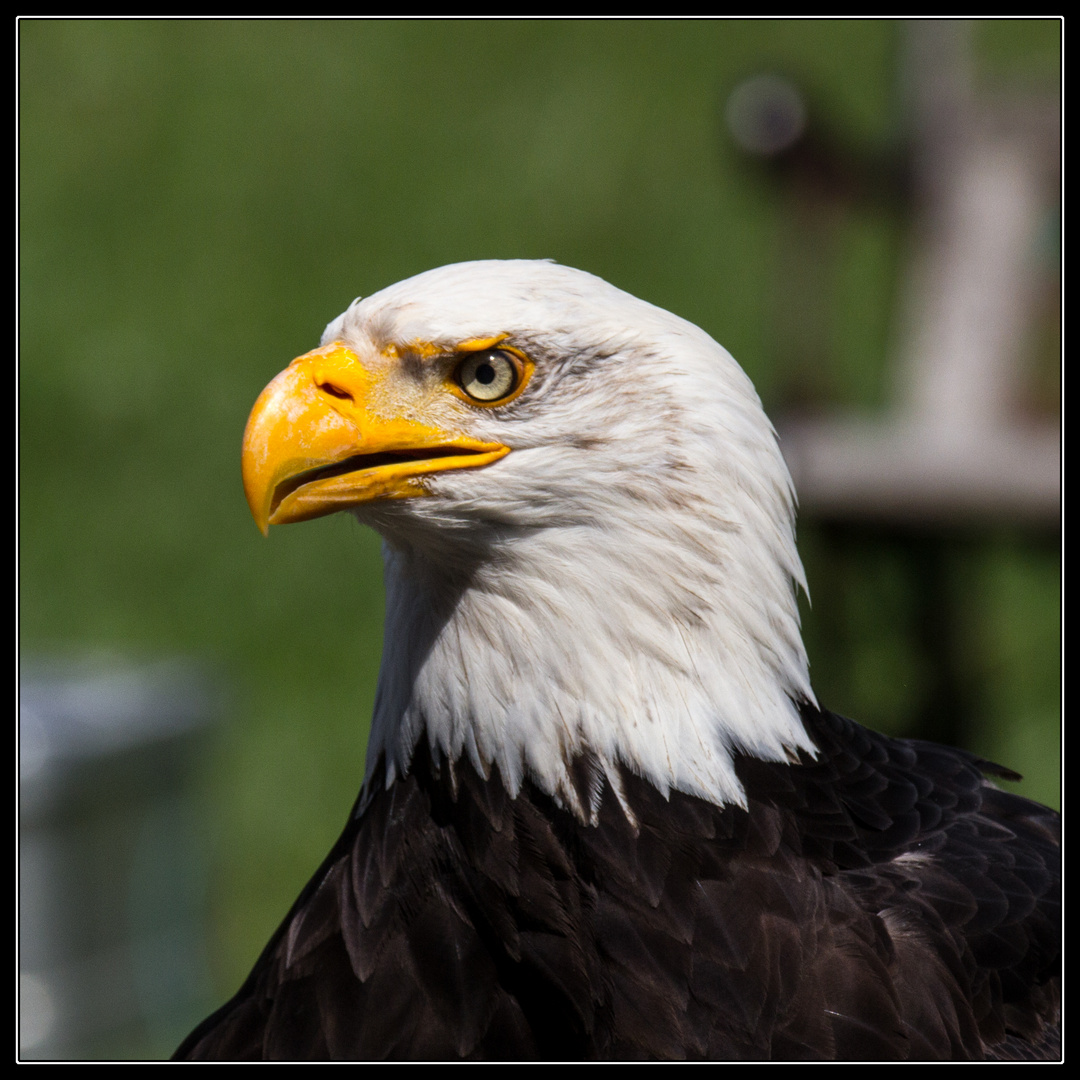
(199, 198)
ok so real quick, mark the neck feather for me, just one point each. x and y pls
(665, 644)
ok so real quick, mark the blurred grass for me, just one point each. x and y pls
(198, 198)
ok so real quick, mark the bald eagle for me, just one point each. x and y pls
(603, 814)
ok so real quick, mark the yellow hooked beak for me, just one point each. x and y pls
(314, 445)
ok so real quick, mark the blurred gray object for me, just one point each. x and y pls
(112, 951)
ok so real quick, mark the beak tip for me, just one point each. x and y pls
(261, 517)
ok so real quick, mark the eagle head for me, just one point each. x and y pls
(588, 527)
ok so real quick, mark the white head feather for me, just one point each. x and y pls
(623, 582)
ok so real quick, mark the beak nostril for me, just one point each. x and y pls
(332, 390)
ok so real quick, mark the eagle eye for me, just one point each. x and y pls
(488, 375)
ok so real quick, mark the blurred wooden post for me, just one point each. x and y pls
(954, 446)
(955, 449)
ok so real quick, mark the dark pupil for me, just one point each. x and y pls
(485, 374)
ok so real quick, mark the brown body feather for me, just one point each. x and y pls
(884, 901)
